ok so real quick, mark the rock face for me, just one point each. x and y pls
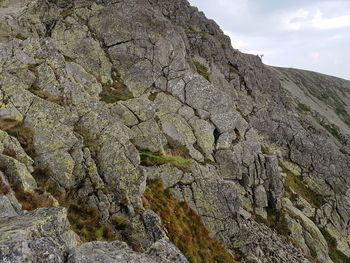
(99, 98)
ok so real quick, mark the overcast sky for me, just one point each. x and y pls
(307, 34)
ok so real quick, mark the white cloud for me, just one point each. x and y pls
(307, 34)
(294, 20)
(330, 23)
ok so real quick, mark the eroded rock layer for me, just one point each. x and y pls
(100, 100)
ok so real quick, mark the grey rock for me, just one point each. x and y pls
(40, 236)
(186, 112)
(6, 208)
(225, 141)
(229, 164)
(147, 135)
(164, 251)
(229, 122)
(204, 132)
(106, 252)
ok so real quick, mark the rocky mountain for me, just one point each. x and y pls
(132, 131)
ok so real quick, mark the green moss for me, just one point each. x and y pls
(197, 32)
(117, 92)
(303, 108)
(149, 158)
(295, 183)
(184, 226)
(276, 220)
(332, 129)
(336, 255)
(201, 69)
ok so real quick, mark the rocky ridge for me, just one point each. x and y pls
(101, 99)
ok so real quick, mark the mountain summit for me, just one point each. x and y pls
(132, 131)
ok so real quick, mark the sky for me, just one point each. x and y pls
(305, 34)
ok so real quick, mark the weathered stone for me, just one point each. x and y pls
(260, 196)
(6, 208)
(106, 252)
(230, 166)
(40, 236)
(9, 118)
(17, 173)
(229, 122)
(225, 140)
(164, 251)
(176, 128)
(124, 114)
(143, 108)
(169, 174)
(204, 132)
(201, 95)
(166, 104)
(186, 112)
(312, 235)
(147, 135)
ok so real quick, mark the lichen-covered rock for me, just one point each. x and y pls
(312, 235)
(229, 122)
(106, 252)
(204, 132)
(86, 85)
(6, 208)
(162, 251)
(40, 236)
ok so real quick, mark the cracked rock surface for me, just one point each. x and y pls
(100, 98)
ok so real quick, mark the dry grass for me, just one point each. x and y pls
(32, 200)
(4, 187)
(184, 226)
(86, 223)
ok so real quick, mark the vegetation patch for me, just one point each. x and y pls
(4, 187)
(184, 226)
(303, 108)
(276, 220)
(33, 200)
(332, 129)
(84, 220)
(117, 92)
(59, 100)
(149, 158)
(197, 31)
(336, 255)
(295, 183)
(24, 135)
(86, 223)
(201, 70)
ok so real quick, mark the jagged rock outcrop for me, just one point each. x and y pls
(100, 98)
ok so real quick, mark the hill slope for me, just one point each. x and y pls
(131, 131)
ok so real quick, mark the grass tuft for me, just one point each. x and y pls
(149, 158)
(86, 223)
(303, 108)
(115, 93)
(201, 69)
(4, 187)
(33, 200)
(185, 228)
